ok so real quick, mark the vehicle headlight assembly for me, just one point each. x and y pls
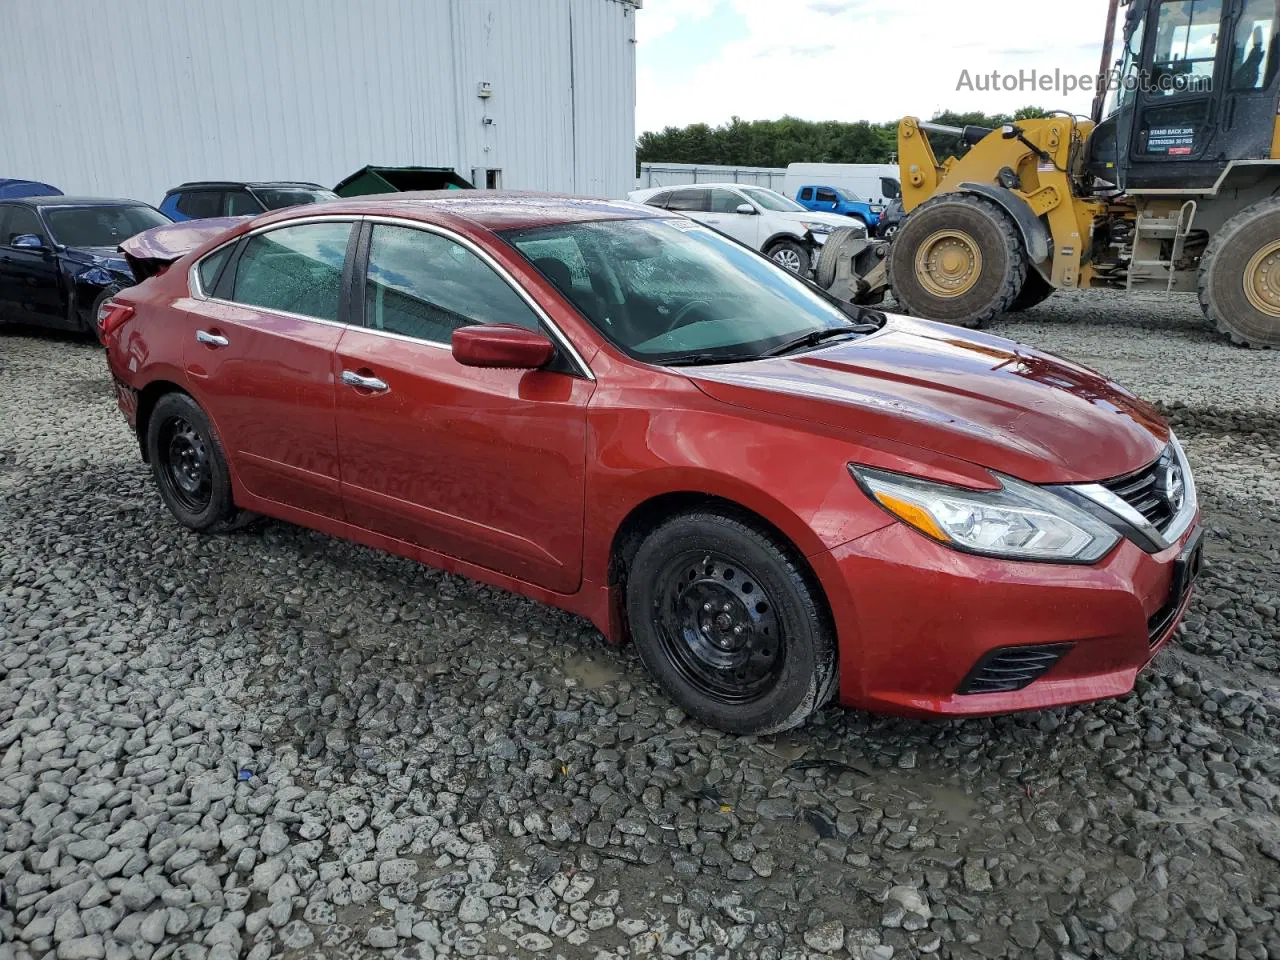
(818, 227)
(1019, 521)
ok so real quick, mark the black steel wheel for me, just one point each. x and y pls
(729, 620)
(187, 471)
(190, 467)
(718, 626)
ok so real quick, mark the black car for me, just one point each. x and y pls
(58, 256)
(891, 219)
(234, 198)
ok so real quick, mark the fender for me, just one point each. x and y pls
(1035, 235)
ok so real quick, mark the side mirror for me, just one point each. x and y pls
(501, 345)
(745, 208)
(28, 241)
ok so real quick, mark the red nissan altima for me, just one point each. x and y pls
(778, 497)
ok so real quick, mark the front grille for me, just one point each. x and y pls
(1145, 491)
(1012, 668)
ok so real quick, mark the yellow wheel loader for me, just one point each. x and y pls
(1173, 185)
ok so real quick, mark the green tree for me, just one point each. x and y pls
(776, 143)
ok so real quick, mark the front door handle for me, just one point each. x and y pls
(211, 339)
(353, 379)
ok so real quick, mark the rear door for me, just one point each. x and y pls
(484, 465)
(31, 288)
(261, 361)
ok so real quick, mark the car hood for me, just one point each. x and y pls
(966, 395)
(814, 216)
(108, 257)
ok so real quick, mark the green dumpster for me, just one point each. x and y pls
(400, 179)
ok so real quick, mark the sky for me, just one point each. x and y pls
(709, 60)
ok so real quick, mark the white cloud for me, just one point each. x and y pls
(860, 59)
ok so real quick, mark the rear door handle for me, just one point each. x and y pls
(353, 379)
(211, 339)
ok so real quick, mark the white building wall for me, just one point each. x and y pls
(146, 94)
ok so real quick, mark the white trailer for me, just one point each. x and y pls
(873, 182)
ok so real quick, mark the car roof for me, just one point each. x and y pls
(61, 201)
(492, 210)
(214, 184)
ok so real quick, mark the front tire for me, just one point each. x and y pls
(958, 258)
(1239, 280)
(190, 466)
(792, 256)
(730, 624)
(1035, 290)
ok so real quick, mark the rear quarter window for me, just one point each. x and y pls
(211, 268)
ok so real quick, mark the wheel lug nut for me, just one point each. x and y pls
(706, 607)
(737, 631)
(726, 608)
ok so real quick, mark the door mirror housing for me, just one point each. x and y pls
(28, 241)
(745, 208)
(503, 346)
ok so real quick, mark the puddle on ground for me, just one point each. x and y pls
(592, 673)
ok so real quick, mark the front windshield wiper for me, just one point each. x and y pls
(704, 359)
(818, 336)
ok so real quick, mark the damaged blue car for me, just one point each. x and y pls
(59, 259)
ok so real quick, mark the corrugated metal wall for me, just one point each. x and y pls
(131, 98)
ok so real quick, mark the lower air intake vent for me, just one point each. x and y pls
(1012, 668)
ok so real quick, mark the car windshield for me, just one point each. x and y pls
(772, 201)
(277, 198)
(672, 290)
(848, 197)
(106, 226)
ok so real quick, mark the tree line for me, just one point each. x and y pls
(776, 143)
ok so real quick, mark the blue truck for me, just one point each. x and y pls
(840, 201)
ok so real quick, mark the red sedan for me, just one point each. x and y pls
(777, 496)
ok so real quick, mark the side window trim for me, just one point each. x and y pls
(565, 345)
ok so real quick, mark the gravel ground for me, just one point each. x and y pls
(275, 744)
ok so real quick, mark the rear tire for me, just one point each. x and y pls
(958, 258)
(791, 255)
(1239, 281)
(729, 623)
(1034, 291)
(190, 466)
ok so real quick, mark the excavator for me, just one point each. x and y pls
(1171, 185)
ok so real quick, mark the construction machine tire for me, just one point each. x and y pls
(1036, 290)
(957, 258)
(1239, 281)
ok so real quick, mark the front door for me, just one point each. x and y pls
(484, 465)
(260, 355)
(31, 290)
(724, 216)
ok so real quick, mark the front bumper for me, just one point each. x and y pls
(915, 620)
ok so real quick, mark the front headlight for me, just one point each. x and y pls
(1018, 522)
(817, 227)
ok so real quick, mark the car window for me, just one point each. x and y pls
(826, 196)
(560, 260)
(422, 285)
(1253, 53)
(659, 199)
(241, 203)
(294, 269)
(201, 204)
(806, 193)
(105, 226)
(20, 220)
(211, 266)
(771, 200)
(890, 188)
(688, 200)
(725, 201)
